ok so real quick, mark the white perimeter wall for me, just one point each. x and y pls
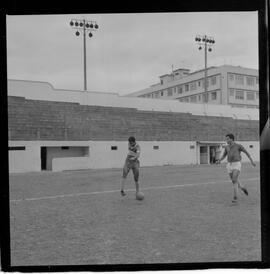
(253, 151)
(25, 160)
(101, 155)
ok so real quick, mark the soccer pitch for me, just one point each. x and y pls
(80, 218)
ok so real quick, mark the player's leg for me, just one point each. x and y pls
(240, 184)
(230, 172)
(136, 173)
(126, 169)
(234, 191)
(234, 177)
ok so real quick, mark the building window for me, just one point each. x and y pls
(186, 87)
(156, 147)
(239, 95)
(180, 89)
(250, 95)
(231, 92)
(213, 80)
(170, 91)
(199, 83)
(161, 93)
(64, 148)
(231, 77)
(193, 86)
(193, 99)
(250, 81)
(207, 83)
(161, 82)
(214, 96)
(16, 148)
(113, 147)
(239, 79)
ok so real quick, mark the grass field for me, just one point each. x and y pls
(79, 217)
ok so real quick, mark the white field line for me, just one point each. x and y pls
(117, 190)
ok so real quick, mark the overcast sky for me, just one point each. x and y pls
(129, 51)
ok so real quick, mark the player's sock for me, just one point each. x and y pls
(243, 188)
(235, 190)
(123, 186)
(137, 187)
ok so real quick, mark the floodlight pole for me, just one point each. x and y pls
(84, 56)
(205, 71)
(207, 41)
(84, 26)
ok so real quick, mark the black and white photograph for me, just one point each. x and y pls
(134, 139)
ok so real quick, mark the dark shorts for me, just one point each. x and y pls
(134, 165)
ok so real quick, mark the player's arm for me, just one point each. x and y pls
(136, 155)
(222, 157)
(248, 155)
(138, 152)
(131, 153)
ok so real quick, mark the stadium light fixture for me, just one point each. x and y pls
(207, 42)
(84, 26)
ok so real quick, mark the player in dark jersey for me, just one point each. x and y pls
(133, 163)
(233, 153)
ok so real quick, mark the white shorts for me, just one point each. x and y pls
(233, 166)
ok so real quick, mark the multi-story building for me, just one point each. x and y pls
(226, 85)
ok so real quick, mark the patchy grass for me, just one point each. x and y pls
(79, 217)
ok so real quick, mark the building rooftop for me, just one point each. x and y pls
(141, 92)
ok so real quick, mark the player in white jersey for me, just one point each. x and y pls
(133, 163)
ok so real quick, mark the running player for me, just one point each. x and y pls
(233, 153)
(133, 163)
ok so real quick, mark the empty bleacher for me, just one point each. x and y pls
(31, 120)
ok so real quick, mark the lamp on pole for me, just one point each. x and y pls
(84, 26)
(207, 42)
